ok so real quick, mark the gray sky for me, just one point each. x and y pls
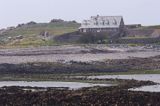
(14, 12)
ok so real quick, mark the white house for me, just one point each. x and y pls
(102, 24)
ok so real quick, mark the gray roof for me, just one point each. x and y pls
(102, 22)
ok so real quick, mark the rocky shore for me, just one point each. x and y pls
(79, 53)
(55, 63)
(97, 96)
(72, 67)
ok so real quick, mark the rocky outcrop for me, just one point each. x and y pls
(119, 65)
(97, 96)
(56, 20)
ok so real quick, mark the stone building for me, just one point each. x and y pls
(103, 24)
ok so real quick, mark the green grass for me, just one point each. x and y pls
(32, 41)
(65, 77)
(31, 34)
(138, 37)
(50, 77)
(154, 26)
(52, 28)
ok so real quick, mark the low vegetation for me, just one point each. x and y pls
(31, 33)
(64, 32)
(154, 26)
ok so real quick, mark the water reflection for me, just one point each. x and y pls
(143, 77)
(71, 85)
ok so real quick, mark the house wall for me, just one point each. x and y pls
(84, 30)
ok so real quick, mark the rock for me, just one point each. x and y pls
(19, 37)
(56, 20)
(44, 34)
(9, 38)
(31, 23)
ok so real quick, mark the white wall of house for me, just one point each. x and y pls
(102, 23)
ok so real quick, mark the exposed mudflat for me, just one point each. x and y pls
(47, 84)
(83, 53)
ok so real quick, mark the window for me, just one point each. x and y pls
(102, 22)
(96, 23)
(114, 22)
(107, 22)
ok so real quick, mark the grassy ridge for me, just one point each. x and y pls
(31, 33)
(155, 26)
(52, 28)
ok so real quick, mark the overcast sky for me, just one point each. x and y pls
(13, 12)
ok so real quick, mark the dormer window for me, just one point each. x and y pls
(114, 22)
(102, 22)
(96, 22)
(86, 23)
(107, 22)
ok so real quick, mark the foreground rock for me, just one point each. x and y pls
(118, 65)
(104, 96)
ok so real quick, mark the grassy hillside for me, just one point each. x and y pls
(155, 26)
(31, 33)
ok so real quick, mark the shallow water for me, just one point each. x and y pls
(143, 77)
(71, 85)
(151, 88)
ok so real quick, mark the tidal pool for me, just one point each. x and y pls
(142, 77)
(151, 88)
(45, 84)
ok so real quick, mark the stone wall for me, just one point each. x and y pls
(135, 41)
(139, 32)
(143, 32)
